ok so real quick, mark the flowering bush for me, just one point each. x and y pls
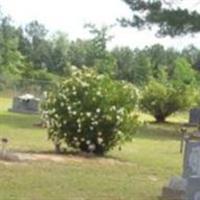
(90, 112)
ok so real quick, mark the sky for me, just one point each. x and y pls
(70, 16)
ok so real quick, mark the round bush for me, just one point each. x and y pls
(163, 99)
(91, 112)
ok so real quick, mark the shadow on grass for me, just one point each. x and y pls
(15, 120)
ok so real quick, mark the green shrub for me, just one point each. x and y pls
(91, 112)
(163, 99)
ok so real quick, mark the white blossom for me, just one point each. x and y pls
(75, 138)
(98, 93)
(98, 110)
(74, 112)
(99, 140)
(74, 92)
(92, 147)
(77, 144)
(99, 133)
(88, 142)
(91, 128)
(79, 130)
(69, 108)
(88, 114)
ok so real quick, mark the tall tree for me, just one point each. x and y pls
(40, 53)
(11, 60)
(168, 15)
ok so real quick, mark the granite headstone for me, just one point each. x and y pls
(191, 165)
(25, 104)
(194, 118)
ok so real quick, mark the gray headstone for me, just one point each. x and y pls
(25, 104)
(191, 166)
(194, 116)
(193, 188)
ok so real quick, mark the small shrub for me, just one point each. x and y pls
(91, 112)
(163, 99)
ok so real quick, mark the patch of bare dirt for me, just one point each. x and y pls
(82, 158)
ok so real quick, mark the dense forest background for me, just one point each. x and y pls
(31, 53)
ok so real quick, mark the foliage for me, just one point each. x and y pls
(91, 112)
(171, 20)
(182, 72)
(163, 99)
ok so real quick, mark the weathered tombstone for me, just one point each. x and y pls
(191, 165)
(194, 118)
(193, 188)
(186, 187)
(25, 104)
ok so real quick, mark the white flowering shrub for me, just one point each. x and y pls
(91, 112)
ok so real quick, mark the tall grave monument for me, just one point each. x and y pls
(186, 187)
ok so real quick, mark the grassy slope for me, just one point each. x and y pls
(147, 163)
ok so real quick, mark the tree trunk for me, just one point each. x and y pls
(160, 118)
(57, 148)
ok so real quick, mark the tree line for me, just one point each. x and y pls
(29, 52)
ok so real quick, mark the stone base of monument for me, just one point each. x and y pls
(193, 188)
(175, 190)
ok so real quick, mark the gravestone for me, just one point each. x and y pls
(191, 166)
(194, 118)
(25, 104)
(186, 187)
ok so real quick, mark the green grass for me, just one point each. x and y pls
(137, 172)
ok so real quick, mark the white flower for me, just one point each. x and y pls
(45, 94)
(88, 114)
(88, 142)
(77, 144)
(91, 128)
(99, 133)
(69, 107)
(99, 140)
(98, 110)
(74, 93)
(92, 147)
(79, 130)
(62, 104)
(118, 117)
(56, 116)
(75, 138)
(98, 93)
(65, 134)
(74, 112)
(94, 122)
(82, 139)
(53, 110)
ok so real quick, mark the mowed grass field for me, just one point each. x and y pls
(137, 172)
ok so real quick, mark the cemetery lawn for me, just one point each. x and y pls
(137, 172)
